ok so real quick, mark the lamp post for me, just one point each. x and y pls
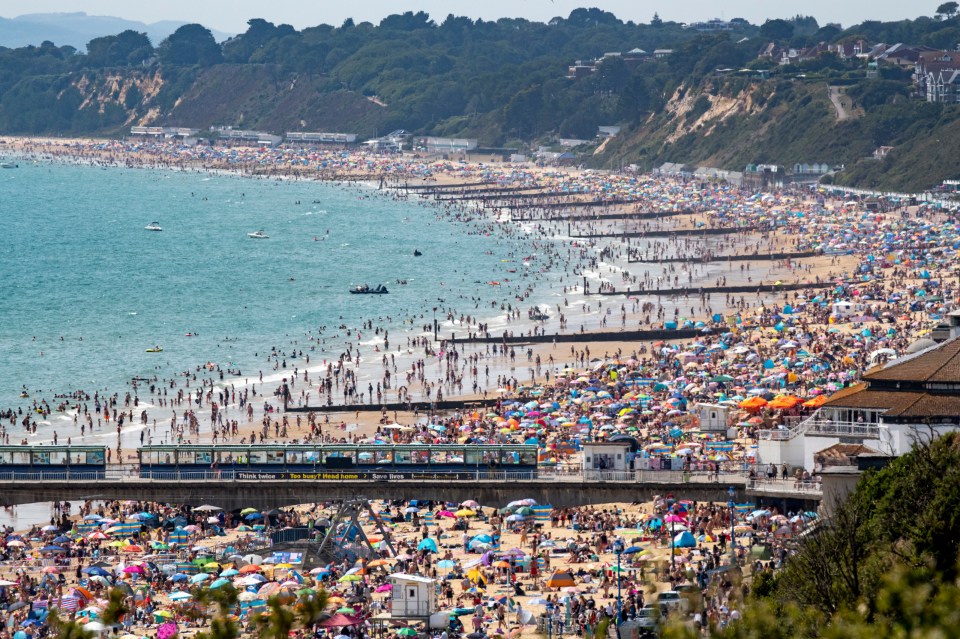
(618, 550)
(733, 543)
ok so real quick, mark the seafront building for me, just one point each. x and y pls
(913, 398)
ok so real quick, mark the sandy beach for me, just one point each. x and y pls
(771, 356)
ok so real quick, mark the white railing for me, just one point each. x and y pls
(689, 477)
(115, 475)
(795, 486)
(816, 426)
(844, 429)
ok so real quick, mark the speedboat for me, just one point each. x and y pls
(258, 235)
(9, 165)
(153, 226)
(364, 289)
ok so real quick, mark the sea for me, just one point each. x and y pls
(88, 290)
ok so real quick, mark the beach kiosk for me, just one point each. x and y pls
(714, 418)
(603, 460)
(413, 598)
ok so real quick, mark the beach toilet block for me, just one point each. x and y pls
(412, 596)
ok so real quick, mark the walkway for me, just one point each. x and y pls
(834, 93)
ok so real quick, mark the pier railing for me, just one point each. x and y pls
(784, 486)
(133, 475)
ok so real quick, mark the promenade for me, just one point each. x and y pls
(277, 490)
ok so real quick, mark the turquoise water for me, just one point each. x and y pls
(77, 264)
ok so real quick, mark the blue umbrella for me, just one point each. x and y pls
(219, 583)
(632, 549)
(179, 577)
(253, 516)
(95, 571)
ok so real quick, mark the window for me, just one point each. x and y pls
(274, 457)
(41, 458)
(258, 456)
(203, 457)
(95, 458)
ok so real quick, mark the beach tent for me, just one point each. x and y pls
(561, 579)
(684, 540)
(428, 544)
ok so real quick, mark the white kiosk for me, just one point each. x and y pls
(602, 459)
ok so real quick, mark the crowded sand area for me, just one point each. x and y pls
(879, 278)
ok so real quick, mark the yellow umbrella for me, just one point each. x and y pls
(465, 512)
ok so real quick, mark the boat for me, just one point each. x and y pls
(537, 314)
(9, 165)
(364, 289)
(155, 349)
(258, 235)
(417, 253)
(153, 226)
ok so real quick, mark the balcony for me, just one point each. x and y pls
(785, 488)
(824, 428)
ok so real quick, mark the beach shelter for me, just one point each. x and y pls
(428, 544)
(684, 540)
(561, 579)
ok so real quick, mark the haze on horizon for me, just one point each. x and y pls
(232, 16)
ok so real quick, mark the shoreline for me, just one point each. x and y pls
(604, 268)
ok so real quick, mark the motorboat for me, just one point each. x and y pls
(258, 235)
(153, 226)
(364, 289)
(9, 165)
(537, 314)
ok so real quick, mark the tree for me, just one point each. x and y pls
(67, 629)
(655, 21)
(947, 10)
(777, 30)
(191, 44)
(123, 49)
(116, 607)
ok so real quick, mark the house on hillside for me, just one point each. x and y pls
(933, 75)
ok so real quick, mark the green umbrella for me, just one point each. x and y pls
(407, 632)
(347, 610)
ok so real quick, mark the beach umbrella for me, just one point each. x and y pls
(199, 577)
(180, 596)
(219, 583)
(407, 632)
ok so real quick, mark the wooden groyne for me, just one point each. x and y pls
(600, 217)
(657, 334)
(709, 290)
(716, 230)
(741, 257)
(451, 404)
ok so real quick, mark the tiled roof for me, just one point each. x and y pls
(862, 397)
(939, 365)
